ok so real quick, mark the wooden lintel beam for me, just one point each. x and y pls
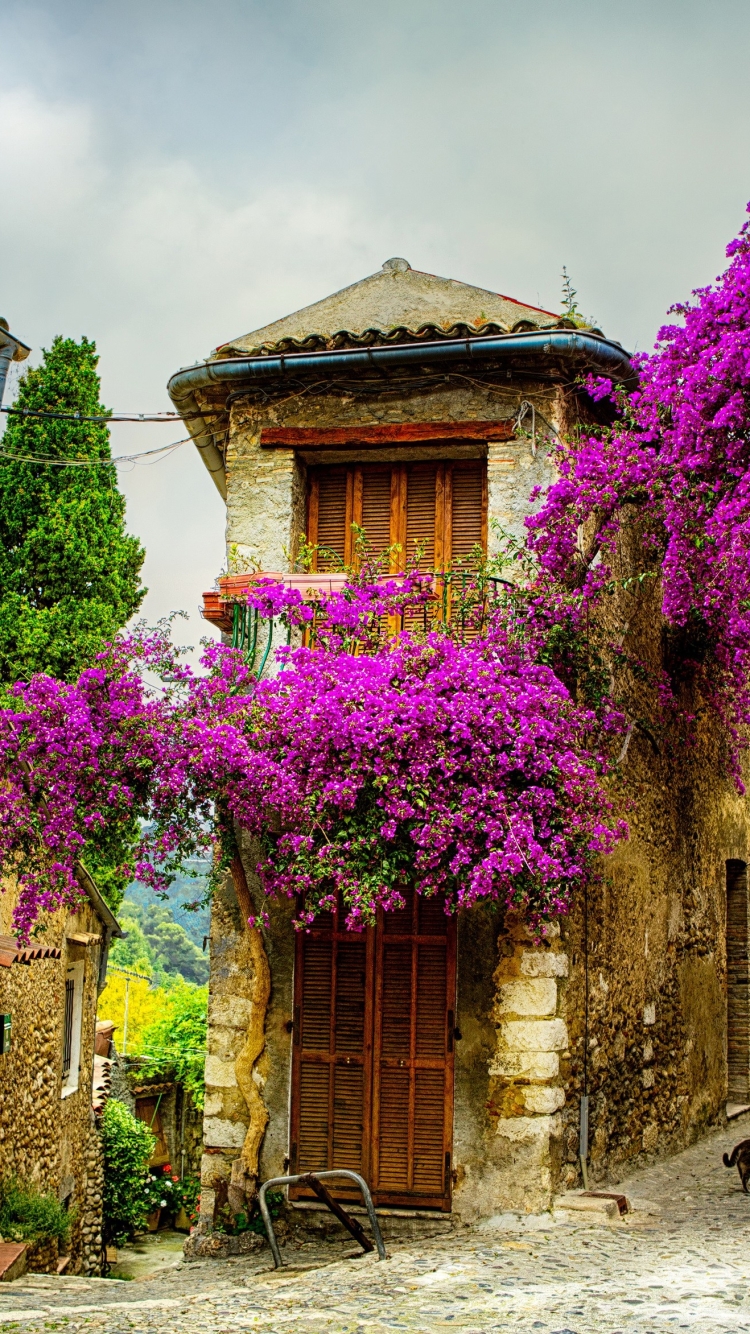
(388, 433)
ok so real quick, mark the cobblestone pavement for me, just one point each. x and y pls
(680, 1261)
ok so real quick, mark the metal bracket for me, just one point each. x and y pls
(312, 1180)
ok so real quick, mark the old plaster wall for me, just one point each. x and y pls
(657, 1071)
(45, 1138)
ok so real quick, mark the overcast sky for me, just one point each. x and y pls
(173, 174)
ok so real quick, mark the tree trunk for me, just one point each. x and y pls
(243, 1186)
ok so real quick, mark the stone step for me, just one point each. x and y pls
(12, 1260)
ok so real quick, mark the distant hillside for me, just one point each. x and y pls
(186, 889)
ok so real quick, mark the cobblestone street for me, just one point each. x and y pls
(680, 1260)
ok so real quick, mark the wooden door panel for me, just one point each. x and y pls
(393, 1137)
(431, 1001)
(312, 1104)
(429, 1113)
(373, 1052)
(396, 1003)
(348, 1117)
(350, 996)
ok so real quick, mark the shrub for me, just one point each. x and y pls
(128, 1145)
(27, 1214)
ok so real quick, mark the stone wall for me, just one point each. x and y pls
(266, 487)
(631, 997)
(635, 975)
(45, 1138)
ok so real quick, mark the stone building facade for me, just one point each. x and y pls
(49, 1076)
(631, 1001)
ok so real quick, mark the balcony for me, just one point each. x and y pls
(461, 598)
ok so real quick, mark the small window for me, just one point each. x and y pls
(72, 1018)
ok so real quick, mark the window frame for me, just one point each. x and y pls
(443, 530)
(75, 972)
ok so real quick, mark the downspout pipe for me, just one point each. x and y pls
(585, 350)
(11, 349)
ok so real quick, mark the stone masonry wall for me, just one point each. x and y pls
(45, 1139)
(656, 959)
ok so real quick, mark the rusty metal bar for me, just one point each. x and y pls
(351, 1224)
(312, 1180)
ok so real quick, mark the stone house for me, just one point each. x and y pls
(51, 1080)
(449, 1059)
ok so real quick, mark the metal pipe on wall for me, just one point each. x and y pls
(588, 351)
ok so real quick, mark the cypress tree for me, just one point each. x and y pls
(69, 572)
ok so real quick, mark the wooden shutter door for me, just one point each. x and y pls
(375, 512)
(331, 1049)
(468, 510)
(413, 1055)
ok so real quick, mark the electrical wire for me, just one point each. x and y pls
(163, 450)
(105, 420)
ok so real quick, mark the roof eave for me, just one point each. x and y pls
(586, 349)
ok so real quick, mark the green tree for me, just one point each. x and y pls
(69, 572)
(159, 945)
(174, 1045)
(134, 951)
(128, 1145)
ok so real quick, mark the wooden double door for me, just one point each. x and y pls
(373, 1052)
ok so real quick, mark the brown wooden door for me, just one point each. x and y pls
(372, 1086)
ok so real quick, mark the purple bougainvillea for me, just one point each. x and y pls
(453, 756)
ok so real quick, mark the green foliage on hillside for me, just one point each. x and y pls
(69, 572)
(158, 945)
(174, 1046)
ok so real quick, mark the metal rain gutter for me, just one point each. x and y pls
(11, 349)
(596, 352)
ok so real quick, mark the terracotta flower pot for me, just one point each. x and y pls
(152, 1220)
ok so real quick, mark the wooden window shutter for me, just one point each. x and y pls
(468, 520)
(329, 515)
(421, 524)
(330, 1041)
(375, 513)
(440, 506)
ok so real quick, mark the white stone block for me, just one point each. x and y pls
(542, 1100)
(219, 1133)
(213, 1104)
(534, 1034)
(526, 1065)
(572, 1202)
(541, 963)
(649, 1013)
(528, 996)
(519, 1128)
(220, 1074)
